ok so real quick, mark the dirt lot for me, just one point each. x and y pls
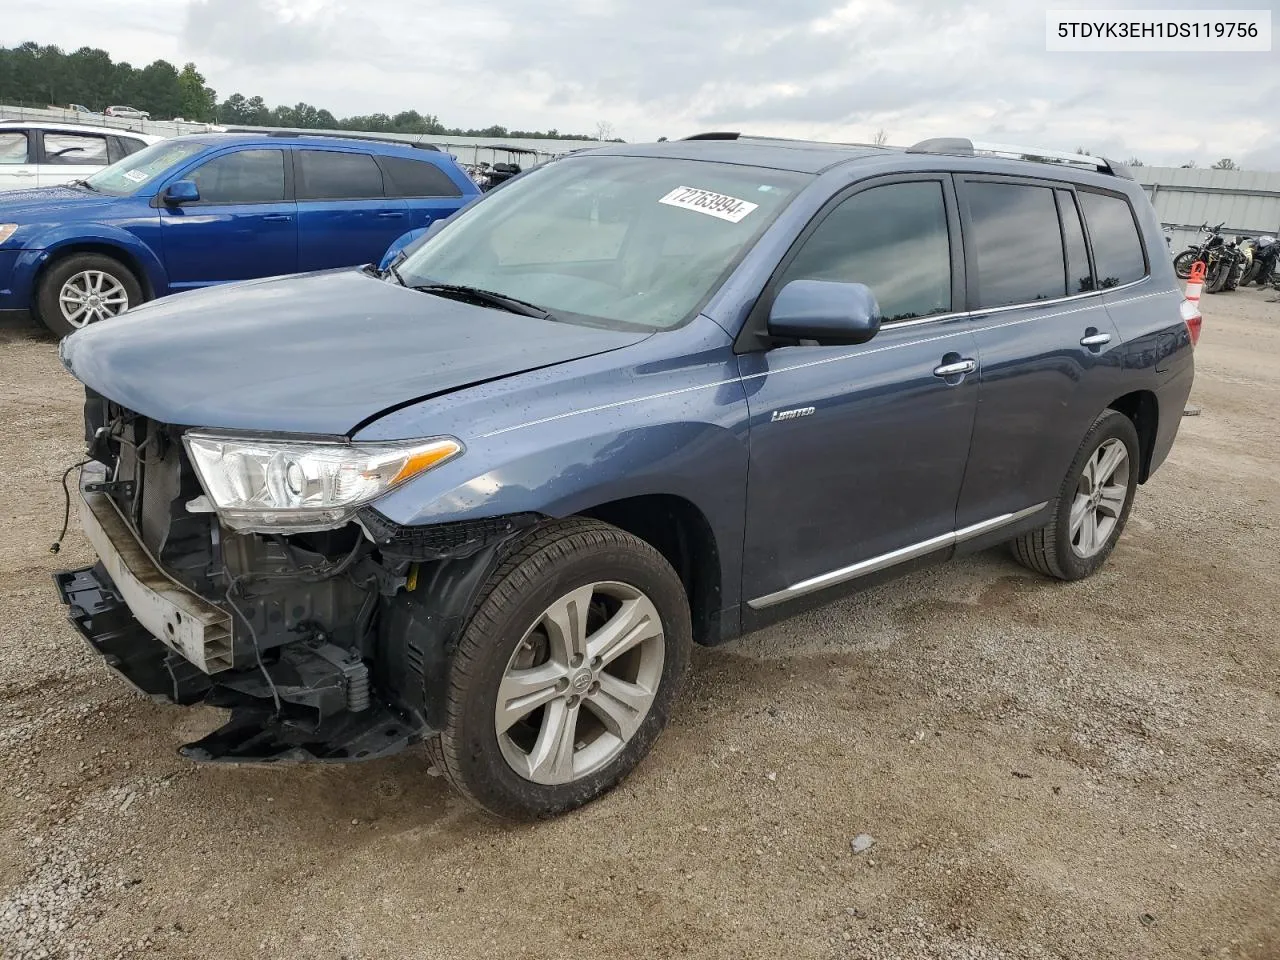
(1047, 771)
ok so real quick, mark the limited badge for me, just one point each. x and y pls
(713, 204)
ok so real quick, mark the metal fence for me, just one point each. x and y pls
(467, 149)
(1247, 202)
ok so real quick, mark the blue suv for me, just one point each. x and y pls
(201, 210)
(638, 398)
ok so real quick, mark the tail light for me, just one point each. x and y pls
(1191, 317)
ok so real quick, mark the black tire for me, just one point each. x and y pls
(1182, 263)
(1217, 279)
(1049, 550)
(60, 271)
(553, 561)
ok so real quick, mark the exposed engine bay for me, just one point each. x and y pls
(330, 645)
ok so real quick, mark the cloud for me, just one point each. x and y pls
(829, 69)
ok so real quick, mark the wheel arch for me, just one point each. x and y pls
(681, 532)
(1143, 409)
(107, 248)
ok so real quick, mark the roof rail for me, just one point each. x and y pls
(964, 147)
(715, 135)
(340, 135)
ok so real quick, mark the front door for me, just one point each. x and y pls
(242, 227)
(858, 453)
(17, 160)
(344, 216)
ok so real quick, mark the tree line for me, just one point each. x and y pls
(38, 76)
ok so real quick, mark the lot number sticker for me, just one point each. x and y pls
(712, 204)
(137, 176)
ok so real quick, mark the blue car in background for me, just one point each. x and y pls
(208, 209)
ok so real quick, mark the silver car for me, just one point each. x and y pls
(127, 113)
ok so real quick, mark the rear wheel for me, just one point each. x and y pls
(566, 673)
(1092, 505)
(82, 289)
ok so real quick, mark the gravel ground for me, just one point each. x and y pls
(1042, 770)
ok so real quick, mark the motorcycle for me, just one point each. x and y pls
(1223, 266)
(1200, 251)
(1266, 258)
(1250, 265)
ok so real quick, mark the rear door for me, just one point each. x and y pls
(429, 192)
(344, 215)
(17, 160)
(1051, 356)
(243, 226)
(64, 157)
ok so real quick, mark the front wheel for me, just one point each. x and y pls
(1092, 506)
(566, 673)
(1217, 278)
(82, 289)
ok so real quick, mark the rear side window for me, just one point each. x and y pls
(13, 147)
(331, 175)
(120, 147)
(1079, 277)
(893, 239)
(1117, 246)
(74, 149)
(247, 176)
(416, 178)
(1018, 243)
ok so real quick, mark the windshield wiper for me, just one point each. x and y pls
(487, 298)
(83, 183)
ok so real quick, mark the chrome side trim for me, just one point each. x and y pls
(1045, 303)
(892, 558)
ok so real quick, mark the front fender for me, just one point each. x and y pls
(57, 240)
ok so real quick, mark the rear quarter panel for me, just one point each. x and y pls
(1158, 355)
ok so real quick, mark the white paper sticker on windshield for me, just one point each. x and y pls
(137, 176)
(712, 204)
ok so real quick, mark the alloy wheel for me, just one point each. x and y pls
(580, 683)
(92, 295)
(1100, 498)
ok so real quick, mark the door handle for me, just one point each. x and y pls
(23, 173)
(390, 214)
(1095, 339)
(277, 218)
(956, 368)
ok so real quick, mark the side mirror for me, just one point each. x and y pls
(408, 243)
(828, 312)
(180, 192)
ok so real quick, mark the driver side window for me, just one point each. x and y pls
(893, 239)
(247, 176)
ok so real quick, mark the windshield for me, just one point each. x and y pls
(139, 169)
(623, 241)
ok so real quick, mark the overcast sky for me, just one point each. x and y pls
(808, 68)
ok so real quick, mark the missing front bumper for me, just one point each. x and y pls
(179, 618)
(254, 733)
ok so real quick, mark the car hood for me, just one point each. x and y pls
(320, 353)
(41, 204)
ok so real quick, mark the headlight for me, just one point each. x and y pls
(269, 485)
(7, 230)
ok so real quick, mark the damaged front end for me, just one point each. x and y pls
(325, 644)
